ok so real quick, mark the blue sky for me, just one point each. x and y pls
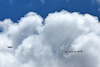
(14, 9)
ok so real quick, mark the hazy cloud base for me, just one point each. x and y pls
(43, 45)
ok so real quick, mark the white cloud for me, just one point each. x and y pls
(11, 2)
(27, 26)
(41, 45)
(99, 9)
(95, 1)
(67, 1)
(42, 1)
(98, 1)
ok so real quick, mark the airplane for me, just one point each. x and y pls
(10, 46)
(73, 51)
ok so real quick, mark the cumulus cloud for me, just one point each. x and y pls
(44, 45)
(27, 26)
